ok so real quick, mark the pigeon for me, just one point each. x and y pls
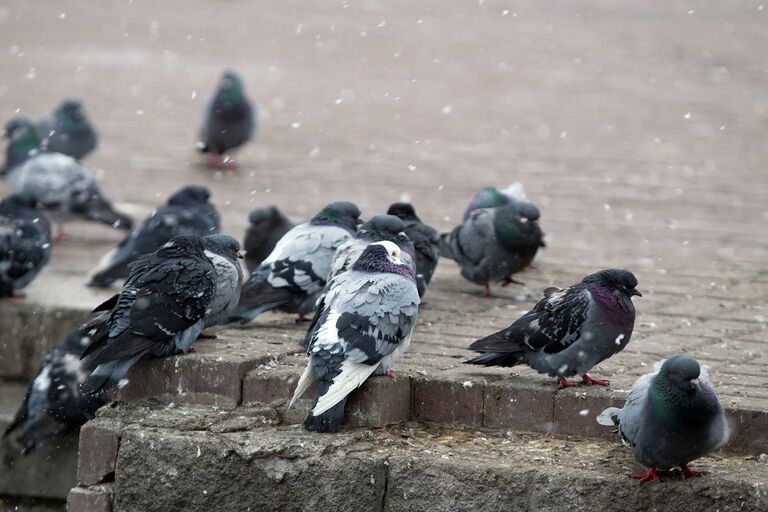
(494, 243)
(224, 253)
(363, 325)
(23, 142)
(426, 241)
(68, 131)
(294, 274)
(568, 331)
(491, 197)
(379, 228)
(229, 120)
(25, 244)
(59, 184)
(54, 401)
(267, 226)
(187, 212)
(671, 417)
(160, 311)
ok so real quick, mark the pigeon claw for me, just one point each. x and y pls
(303, 318)
(18, 295)
(391, 373)
(213, 160)
(563, 383)
(649, 475)
(591, 381)
(487, 292)
(508, 280)
(686, 472)
(229, 163)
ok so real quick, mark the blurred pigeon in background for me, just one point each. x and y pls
(671, 417)
(59, 184)
(266, 227)
(491, 197)
(224, 253)
(426, 241)
(379, 228)
(54, 401)
(229, 120)
(160, 311)
(187, 212)
(68, 131)
(23, 142)
(295, 273)
(25, 244)
(494, 243)
(363, 325)
(569, 331)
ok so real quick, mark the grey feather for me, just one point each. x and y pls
(68, 131)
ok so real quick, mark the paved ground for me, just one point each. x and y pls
(638, 128)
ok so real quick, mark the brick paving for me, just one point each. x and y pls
(640, 131)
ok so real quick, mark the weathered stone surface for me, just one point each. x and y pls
(97, 498)
(523, 405)
(379, 402)
(280, 471)
(447, 401)
(99, 442)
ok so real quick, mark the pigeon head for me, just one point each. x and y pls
(229, 93)
(620, 281)
(17, 123)
(223, 245)
(515, 228)
(404, 211)
(382, 256)
(71, 110)
(489, 197)
(191, 195)
(381, 227)
(342, 214)
(266, 216)
(682, 372)
(183, 245)
(22, 135)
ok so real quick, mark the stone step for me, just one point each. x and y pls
(196, 458)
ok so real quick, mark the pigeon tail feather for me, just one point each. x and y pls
(306, 380)
(445, 246)
(330, 420)
(609, 417)
(108, 375)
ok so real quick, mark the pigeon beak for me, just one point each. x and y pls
(695, 382)
(241, 253)
(635, 292)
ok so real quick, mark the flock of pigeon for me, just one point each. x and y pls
(361, 282)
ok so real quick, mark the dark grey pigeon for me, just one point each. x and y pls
(54, 402)
(59, 184)
(671, 417)
(160, 311)
(68, 131)
(229, 120)
(266, 227)
(187, 212)
(363, 326)
(25, 244)
(224, 253)
(569, 331)
(426, 241)
(494, 243)
(22, 142)
(378, 229)
(295, 273)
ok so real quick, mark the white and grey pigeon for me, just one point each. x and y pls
(160, 311)
(266, 226)
(23, 142)
(229, 121)
(671, 417)
(187, 212)
(294, 275)
(363, 326)
(224, 253)
(60, 185)
(494, 243)
(379, 228)
(568, 331)
(68, 131)
(54, 401)
(426, 242)
(25, 244)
